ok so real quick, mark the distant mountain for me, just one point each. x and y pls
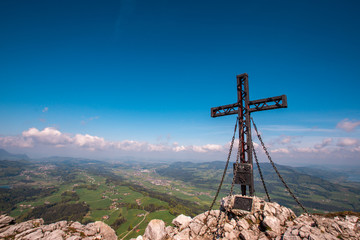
(313, 186)
(5, 155)
(337, 175)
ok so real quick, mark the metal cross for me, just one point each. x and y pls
(243, 172)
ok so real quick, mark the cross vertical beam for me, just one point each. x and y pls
(243, 172)
(244, 127)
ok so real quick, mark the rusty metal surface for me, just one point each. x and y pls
(243, 173)
(254, 106)
(243, 107)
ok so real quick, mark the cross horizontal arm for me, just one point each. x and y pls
(224, 110)
(268, 103)
(254, 106)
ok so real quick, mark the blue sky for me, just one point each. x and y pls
(108, 79)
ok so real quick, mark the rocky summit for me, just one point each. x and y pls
(266, 221)
(35, 229)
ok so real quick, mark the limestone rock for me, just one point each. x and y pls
(155, 230)
(183, 235)
(181, 221)
(6, 220)
(272, 223)
(265, 221)
(35, 229)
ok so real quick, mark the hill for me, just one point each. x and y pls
(316, 193)
(4, 155)
(128, 195)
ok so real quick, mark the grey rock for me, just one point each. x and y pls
(155, 230)
(183, 235)
(228, 228)
(182, 221)
(73, 238)
(38, 234)
(34, 229)
(247, 235)
(6, 220)
(77, 225)
(195, 228)
(272, 223)
(58, 234)
(105, 231)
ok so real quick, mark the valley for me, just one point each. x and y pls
(127, 195)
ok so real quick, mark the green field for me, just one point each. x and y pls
(127, 196)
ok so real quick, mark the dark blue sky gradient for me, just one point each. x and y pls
(151, 66)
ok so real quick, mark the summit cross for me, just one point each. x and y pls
(243, 172)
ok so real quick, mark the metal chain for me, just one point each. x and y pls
(226, 166)
(237, 158)
(222, 178)
(261, 176)
(220, 230)
(272, 163)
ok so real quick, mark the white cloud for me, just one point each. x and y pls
(348, 125)
(280, 150)
(47, 136)
(285, 147)
(88, 141)
(286, 139)
(16, 141)
(326, 142)
(348, 142)
(306, 150)
(129, 145)
(179, 148)
(199, 149)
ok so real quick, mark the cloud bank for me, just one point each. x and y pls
(49, 136)
(337, 148)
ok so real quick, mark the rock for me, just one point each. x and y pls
(170, 231)
(272, 223)
(35, 229)
(55, 235)
(74, 238)
(6, 220)
(228, 227)
(183, 235)
(77, 225)
(243, 224)
(265, 221)
(105, 231)
(182, 221)
(247, 235)
(233, 235)
(195, 228)
(352, 219)
(155, 230)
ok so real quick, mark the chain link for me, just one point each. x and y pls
(226, 166)
(237, 159)
(221, 182)
(220, 230)
(277, 172)
(261, 176)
